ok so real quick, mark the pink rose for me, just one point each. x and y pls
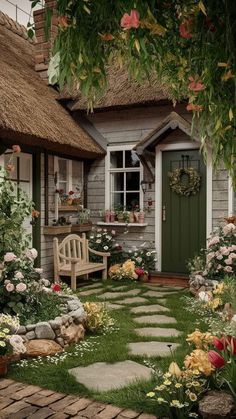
(213, 240)
(9, 257)
(228, 261)
(229, 229)
(232, 255)
(21, 287)
(39, 270)
(228, 269)
(31, 253)
(224, 251)
(210, 256)
(130, 21)
(19, 275)
(10, 287)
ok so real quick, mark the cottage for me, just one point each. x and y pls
(123, 155)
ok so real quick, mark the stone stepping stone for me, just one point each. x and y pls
(153, 308)
(113, 288)
(90, 292)
(156, 294)
(155, 318)
(158, 332)
(111, 295)
(150, 349)
(133, 300)
(85, 287)
(111, 306)
(114, 376)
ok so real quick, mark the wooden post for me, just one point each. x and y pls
(73, 276)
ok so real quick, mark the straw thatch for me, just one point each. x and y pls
(29, 110)
(124, 91)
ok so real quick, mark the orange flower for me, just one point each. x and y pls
(107, 37)
(198, 362)
(194, 107)
(16, 149)
(195, 85)
(10, 167)
(35, 214)
(185, 29)
(63, 21)
(130, 21)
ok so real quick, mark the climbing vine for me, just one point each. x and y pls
(188, 46)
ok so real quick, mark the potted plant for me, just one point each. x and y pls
(119, 211)
(70, 198)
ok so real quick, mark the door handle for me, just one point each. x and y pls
(164, 213)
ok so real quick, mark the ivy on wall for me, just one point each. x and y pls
(187, 45)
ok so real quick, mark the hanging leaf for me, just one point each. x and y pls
(231, 115)
(202, 7)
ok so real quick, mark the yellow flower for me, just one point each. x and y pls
(220, 288)
(192, 397)
(176, 403)
(174, 369)
(160, 400)
(151, 394)
(199, 339)
(195, 384)
(178, 385)
(114, 269)
(160, 388)
(198, 361)
(167, 375)
(216, 302)
(167, 382)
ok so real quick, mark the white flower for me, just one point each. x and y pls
(9, 257)
(148, 254)
(139, 259)
(10, 287)
(21, 287)
(113, 232)
(39, 270)
(31, 253)
(233, 318)
(105, 247)
(99, 235)
(45, 282)
(204, 296)
(228, 269)
(17, 344)
(98, 241)
(19, 275)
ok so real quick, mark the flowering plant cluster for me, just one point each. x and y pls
(179, 391)
(217, 260)
(10, 342)
(143, 258)
(97, 317)
(103, 241)
(125, 271)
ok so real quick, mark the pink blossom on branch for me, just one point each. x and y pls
(195, 85)
(130, 21)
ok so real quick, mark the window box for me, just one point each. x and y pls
(81, 228)
(56, 230)
(68, 208)
(101, 223)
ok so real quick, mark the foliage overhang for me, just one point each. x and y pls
(187, 45)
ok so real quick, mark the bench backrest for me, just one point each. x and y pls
(72, 246)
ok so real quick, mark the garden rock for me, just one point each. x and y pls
(30, 335)
(21, 330)
(42, 347)
(74, 305)
(78, 315)
(43, 330)
(30, 327)
(217, 405)
(72, 334)
(56, 323)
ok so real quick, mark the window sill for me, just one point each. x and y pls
(117, 224)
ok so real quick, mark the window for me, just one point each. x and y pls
(69, 175)
(124, 173)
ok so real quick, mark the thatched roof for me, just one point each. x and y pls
(29, 111)
(124, 91)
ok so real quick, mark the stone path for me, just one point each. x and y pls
(21, 401)
(155, 318)
(158, 332)
(150, 349)
(154, 308)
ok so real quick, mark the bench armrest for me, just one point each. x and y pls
(72, 260)
(95, 252)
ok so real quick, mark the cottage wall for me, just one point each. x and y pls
(128, 127)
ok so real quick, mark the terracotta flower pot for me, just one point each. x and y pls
(144, 278)
(69, 201)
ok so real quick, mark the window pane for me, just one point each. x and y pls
(25, 168)
(117, 201)
(62, 164)
(13, 174)
(116, 159)
(63, 186)
(132, 201)
(131, 159)
(132, 181)
(117, 181)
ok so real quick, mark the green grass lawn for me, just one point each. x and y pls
(110, 347)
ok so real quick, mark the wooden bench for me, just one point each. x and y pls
(71, 258)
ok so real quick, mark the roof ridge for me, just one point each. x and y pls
(15, 27)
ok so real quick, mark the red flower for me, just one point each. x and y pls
(71, 193)
(215, 359)
(232, 344)
(194, 107)
(107, 37)
(185, 29)
(130, 21)
(195, 85)
(140, 271)
(56, 287)
(63, 21)
(16, 149)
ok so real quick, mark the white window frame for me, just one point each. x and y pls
(108, 171)
(231, 198)
(69, 179)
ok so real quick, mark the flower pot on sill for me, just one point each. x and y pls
(141, 218)
(131, 217)
(69, 201)
(120, 218)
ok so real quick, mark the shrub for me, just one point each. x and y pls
(103, 241)
(10, 342)
(98, 318)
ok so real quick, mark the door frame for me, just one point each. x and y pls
(158, 191)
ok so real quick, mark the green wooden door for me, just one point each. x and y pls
(183, 218)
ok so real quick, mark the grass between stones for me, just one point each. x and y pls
(52, 373)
